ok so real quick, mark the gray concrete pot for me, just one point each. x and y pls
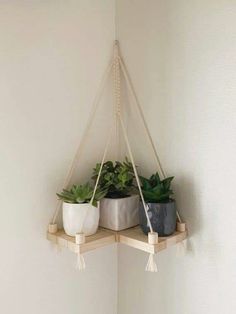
(119, 214)
(162, 216)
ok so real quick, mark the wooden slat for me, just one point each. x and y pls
(98, 240)
(135, 238)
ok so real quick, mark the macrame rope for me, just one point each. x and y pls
(151, 265)
(84, 137)
(80, 264)
(132, 92)
(117, 94)
(135, 171)
(135, 99)
(102, 163)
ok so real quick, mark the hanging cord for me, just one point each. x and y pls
(132, 92)
(119, 118)
(152, 236)
(80, 237)
(151, 265)
(79, 149)
(102, 163)
(117, 94)
(135, 172)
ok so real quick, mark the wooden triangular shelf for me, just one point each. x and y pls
(133, 237)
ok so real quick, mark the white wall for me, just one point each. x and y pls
(181, 56)
(52, 56)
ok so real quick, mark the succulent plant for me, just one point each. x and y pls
(156, 190)
(80, 194)
(117, 178)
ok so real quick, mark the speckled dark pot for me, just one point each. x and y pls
(162, 216)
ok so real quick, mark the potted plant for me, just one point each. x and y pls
(78, 214)
(161, 207)
(119, 208)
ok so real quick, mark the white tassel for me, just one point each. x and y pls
(181, 249)
(80, 265)
(151, 264)
(80, 239)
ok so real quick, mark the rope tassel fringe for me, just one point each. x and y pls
(151, 264)
(80, 265)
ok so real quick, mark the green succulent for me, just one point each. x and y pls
(156, 190)
(117, 178)
(80, 194)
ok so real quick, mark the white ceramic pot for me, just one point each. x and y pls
(74, 220)
(120, 213)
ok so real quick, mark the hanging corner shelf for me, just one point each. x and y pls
(133, 237)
